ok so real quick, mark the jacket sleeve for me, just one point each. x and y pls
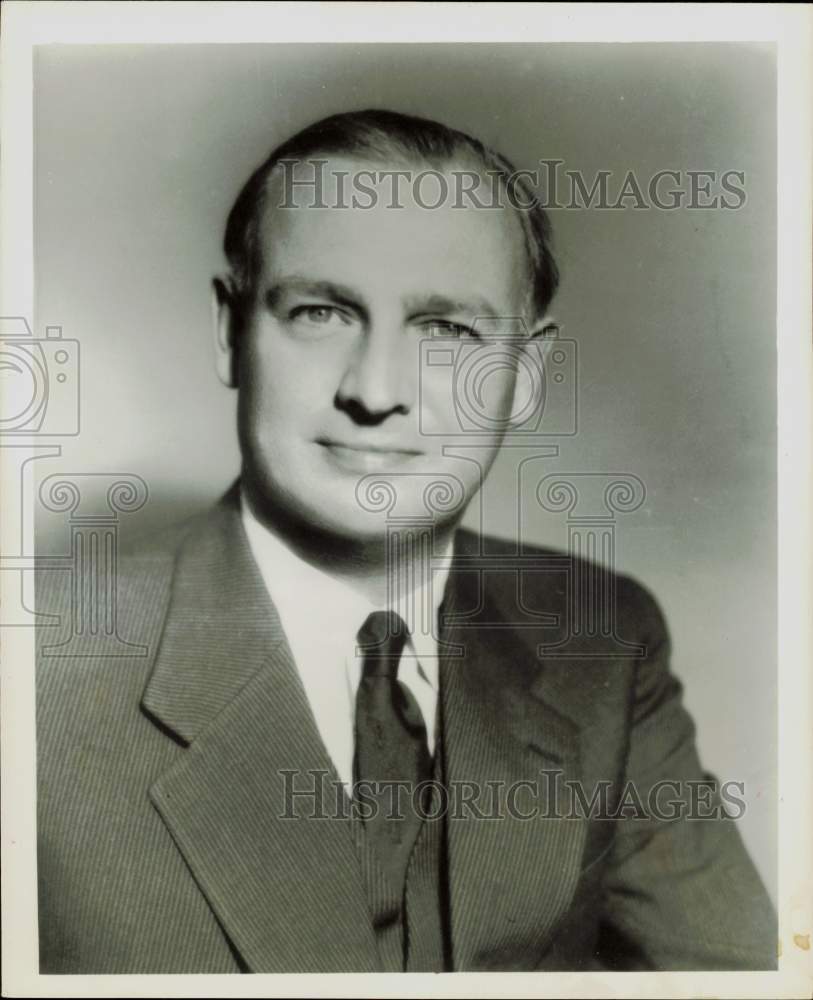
(681, 891)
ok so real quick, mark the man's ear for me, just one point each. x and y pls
(529, 389)
(226, 321)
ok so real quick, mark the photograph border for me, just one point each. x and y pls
(788, 27)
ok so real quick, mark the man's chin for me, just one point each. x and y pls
(363, 509)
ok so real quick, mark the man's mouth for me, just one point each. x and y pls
(355, 456)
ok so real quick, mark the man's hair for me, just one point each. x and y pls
(380, 135)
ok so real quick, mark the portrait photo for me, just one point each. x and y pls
(395, 443)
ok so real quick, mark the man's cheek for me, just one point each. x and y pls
(276, 391)
(479, 405)
(439, 404)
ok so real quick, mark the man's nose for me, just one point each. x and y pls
(380, 378)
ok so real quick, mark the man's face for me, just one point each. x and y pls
(361, 346)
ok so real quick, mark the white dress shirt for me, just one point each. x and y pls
(321, 617)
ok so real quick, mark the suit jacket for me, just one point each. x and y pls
(163, 844)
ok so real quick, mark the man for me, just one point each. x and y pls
(328, 638)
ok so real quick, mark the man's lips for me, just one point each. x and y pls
(355, 456)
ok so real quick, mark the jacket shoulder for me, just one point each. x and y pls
(553, 577)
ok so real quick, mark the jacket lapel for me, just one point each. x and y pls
(224, 683)
(511, 878)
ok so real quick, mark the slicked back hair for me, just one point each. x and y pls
(386, 136)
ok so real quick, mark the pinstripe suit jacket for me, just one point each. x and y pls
(162, 840)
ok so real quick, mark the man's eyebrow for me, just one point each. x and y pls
(308, 286)
(445, 305)
(431, 302)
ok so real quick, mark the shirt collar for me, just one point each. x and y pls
(319, 611)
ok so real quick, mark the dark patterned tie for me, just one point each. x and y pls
(390, 746)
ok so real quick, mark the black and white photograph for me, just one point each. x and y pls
(394, 457)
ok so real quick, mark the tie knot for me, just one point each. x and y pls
(381, 641)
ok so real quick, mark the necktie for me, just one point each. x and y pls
(391, 746)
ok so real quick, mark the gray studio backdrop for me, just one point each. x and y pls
(140, 151)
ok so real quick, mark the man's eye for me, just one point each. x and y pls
(446, 328)
(318, 315)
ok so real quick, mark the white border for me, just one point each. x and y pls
(26, 24)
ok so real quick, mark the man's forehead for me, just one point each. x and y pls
(344, 213)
